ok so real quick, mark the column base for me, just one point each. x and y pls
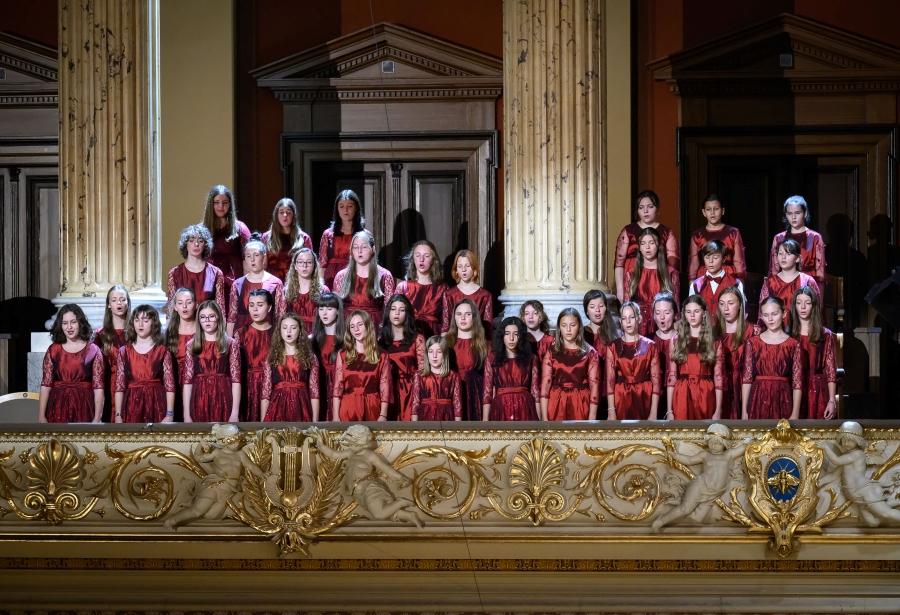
(553, 303)
(94, 307)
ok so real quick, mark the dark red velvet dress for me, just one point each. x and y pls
(820, 368)
(228, 255)
(470, 368)
(238, 311)
(539, 349)
(633, 377)
(73, 378)
(277, 264)
(212, 375)
(483, 301)
(290, 389)
(734, 265)
(109, 374)
(406, 360)
(812, 254)
(647, 289)
(358, 300)
(334, 254)
(326, 376)
(627, 245)
(774, 370)
(734, 365)
(254, 345)
(695, 384)
(144, 379)
(436, 398)
(428, 305)
(208, 285)
(180, 355)
(775, 286)
(305, 308)
(362, 387)
(664, 349)
(512, 389)
(570, 381)
(597, 343)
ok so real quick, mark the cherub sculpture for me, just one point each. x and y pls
(225, 464)
(710, 483)
(362, 480)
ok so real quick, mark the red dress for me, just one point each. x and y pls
(208, 285)
(633, 377)
(773, 370)
(820, 369)
(627, 245)
(812, 254)
(695, 384)
(734, 265)
(775, 286)
(357, 300)
(254, 345)
(212, 375)
(334, 254)
(305, 308)
(238, 311)
(289, 388)
(734, 365)
(664, 348)
(326, 374)
(483, 301)
(73, 378)
(512, 389)
(228, 255)
(647, 289)
(362, 387)
(539, 349)
(109, 375)
(406, 360)
(570, 381)
(428, 305)
(470, 368)
(597, 342)
(436, 398)
(277, 264)
(180, 355)
(144, 379)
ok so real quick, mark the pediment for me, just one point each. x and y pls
(31, 73)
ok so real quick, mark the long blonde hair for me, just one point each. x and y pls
(222, 338)
(741, 327)
(445, 364)
(373, 282)
(370, 344)
(435, 272)
(706, 343)
(662, 269)
(209, 214)
(479, 343)
(292, 288)
(277, 354)
(273, 241)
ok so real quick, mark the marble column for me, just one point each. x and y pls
(108, 152)
(554, 209)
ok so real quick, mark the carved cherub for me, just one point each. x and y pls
(362, 481)
(710, 483)
(227, 464)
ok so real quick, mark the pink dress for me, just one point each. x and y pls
(436, 398)
(212, 375)
(73, 378)
(774, 370)
(290, 388)
(512, 389)
(144, 379)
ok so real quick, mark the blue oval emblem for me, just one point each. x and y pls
(783, 479)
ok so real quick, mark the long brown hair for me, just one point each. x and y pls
(85, 333)
(373, 282)
(359, 221)
(662, 269)
(816, 329)
(209, 214)
(222, 338)
(318, 333)
(303, 352)
(155, 327)
(559, 344)
(273, 241)
(292, 287)
(107, 336)
(609, 326)
(435, 272)
(172, 337)
(370, 344)
(741, 327)
(706, 343)
(479, 343)
(445, 364)
(543, 319)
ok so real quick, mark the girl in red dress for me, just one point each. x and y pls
(819, 361)
(229, 235)
(290, 390)
(109, 338)
(733, 330)
(665, 313)
(257, 277)
(436, 391)
(715, 277)
(695, 377)
(212, 371)
(145, 379)
(362, 375)
(283, 238)
(812, 246)
(468, 351)
(334, 248)
(254, 341)
(72, 367)
(786, 282)
(601, 331)
(424, 287)
(406, 349)
(364, 284)
(537, 326)
(180, 331)
(773, 367)
(633, 378)
(327, 340)
(715, 230)
(304, 287)
(649, 277)
(465, 272)
(512, 376)
(570, 373)
(647, 208)
(203, 278)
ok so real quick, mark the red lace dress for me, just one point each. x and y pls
(735, 265)
(326, 375)
(212, 375)
(73, 378)
(570, 381)
(362, 387)
(512, 389)
(627, 245)
(483, 301)
(254, 345)
(647, 289)
(539, 349)
(180, 354)
(597, 342)
(144, 379)
(289, 388)
(109, 374)
(277, 264)
(470, 368)
(228, 255)
(820, 368)
(775, 286)
(238, 311)
(734, 365)
(334, 254)
(428, 305)
(695, 384)
(773, 370)
(812, 254)
(664, 348)
(406, 360)
(208, 285)
(436, 398)
(305, 308)
(357, 299)
(633, 377)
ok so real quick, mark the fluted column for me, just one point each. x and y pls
(555, 230)
(108, 154)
